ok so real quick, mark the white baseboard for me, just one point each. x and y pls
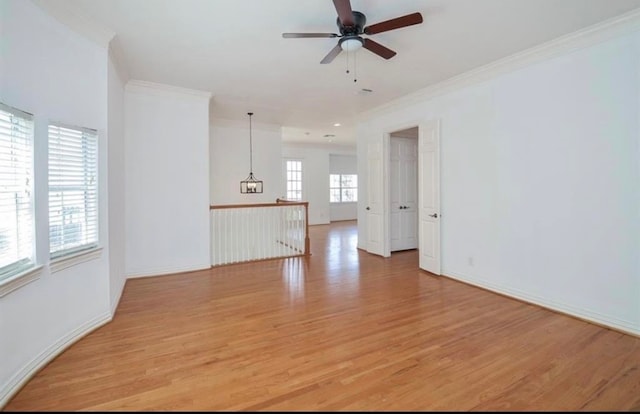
(167, 270)
(115, 301)
(580, 313)
(20, 378)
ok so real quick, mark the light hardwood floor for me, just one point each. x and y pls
(340, 330)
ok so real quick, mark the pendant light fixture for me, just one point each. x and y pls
(250, 185)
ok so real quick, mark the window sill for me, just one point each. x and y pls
(17, 281)
(64, 262)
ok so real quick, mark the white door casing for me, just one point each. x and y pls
(429, 196)
(403, 192)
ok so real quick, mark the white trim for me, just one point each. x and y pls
(64, 262)
(16, 112)
(333, 148)
(242, 124)
(162, 271)
(88, 28)
(22, 376)
(117, 57)
(76, 128)
(116, 301)
(17, 281)
(581, 313)
(618, 26)
(159, 89)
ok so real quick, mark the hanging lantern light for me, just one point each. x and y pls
(250, 185)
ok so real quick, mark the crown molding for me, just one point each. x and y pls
(117, 57)
(242, 124)
(80, 24)
(618, 26)
(332, 148)
(160, 89)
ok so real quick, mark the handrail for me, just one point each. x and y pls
(279, 203)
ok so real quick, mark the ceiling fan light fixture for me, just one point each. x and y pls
(351, 44)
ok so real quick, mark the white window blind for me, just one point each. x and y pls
(294, 180)
(16, 185)
(73, 189)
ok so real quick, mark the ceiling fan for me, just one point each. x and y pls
(352, 26)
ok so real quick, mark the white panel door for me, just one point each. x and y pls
(403, 191)
(375, 197)
(429, 196)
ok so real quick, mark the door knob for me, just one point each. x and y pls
(368, 208)
(434, 215)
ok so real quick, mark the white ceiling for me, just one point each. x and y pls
(235, 50)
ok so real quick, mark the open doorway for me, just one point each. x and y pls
(403, 189)
(377, 209)
(343, 187)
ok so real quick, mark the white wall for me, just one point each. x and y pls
(540, 180)
(116, 80)
(167, 179)
(53, 73)
(230, 160)
(343, 164)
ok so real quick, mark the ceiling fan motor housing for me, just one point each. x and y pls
(359, 22)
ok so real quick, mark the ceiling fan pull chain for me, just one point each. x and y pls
(347, 61)
(355, 67)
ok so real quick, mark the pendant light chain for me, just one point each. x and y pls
(250, 145)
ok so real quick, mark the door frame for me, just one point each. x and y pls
(422, 126)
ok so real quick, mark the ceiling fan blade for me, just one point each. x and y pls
(378, 49)
(345, 14)
(301, 35)
(397, 23)
(332, 54)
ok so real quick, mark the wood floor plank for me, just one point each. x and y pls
(340, 330)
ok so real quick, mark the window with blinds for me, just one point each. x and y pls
(73, 189)
(16, 189)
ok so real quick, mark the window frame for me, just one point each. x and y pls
(341, 189)
(287, 170)
(75, 253)
(24, 269)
